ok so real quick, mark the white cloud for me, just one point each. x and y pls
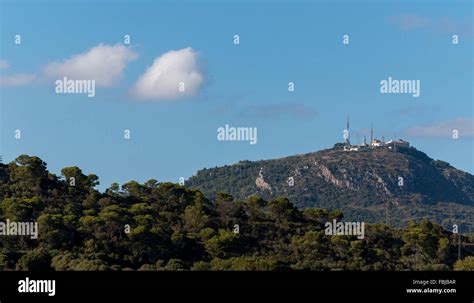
(277, 111)
(444, 129)
(410, 21)
(162, 79)
(4, 64)
(17, 79)
(444, 25)
(103, 63)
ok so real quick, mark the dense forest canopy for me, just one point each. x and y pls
(165, 226)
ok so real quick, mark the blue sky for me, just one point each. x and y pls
(240, 85)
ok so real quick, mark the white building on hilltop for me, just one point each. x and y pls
(374, 142)
(398, 143)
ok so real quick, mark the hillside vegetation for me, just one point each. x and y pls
(164, 226)
(376, 185)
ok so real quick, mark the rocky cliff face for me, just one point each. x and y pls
(372, 184)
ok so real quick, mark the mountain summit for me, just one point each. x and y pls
(387, 184)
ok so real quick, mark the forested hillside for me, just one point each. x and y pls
(377, 185)
(164, 226)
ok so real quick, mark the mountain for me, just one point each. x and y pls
(372, 184)
(61, 222)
